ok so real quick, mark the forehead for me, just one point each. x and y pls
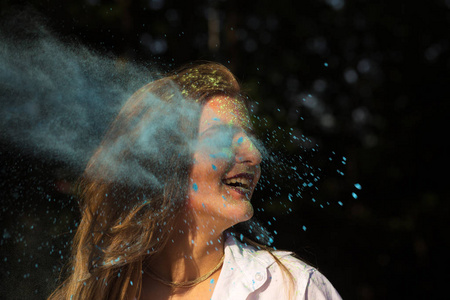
(224, 110)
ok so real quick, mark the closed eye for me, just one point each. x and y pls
(222, 135)
(220, 128)
(217, 137)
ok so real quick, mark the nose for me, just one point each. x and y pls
(246, 151)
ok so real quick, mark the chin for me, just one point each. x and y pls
(242, 215)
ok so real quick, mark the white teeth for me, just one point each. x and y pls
(245, 183)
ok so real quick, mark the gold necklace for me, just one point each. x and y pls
(185, 284)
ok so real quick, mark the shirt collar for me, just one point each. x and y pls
(251, 262)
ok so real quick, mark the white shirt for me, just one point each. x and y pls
(251, 274)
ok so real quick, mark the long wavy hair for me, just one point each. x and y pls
(133, 188)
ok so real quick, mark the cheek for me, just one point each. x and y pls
(208, 166)
(205, 178)
(202, 196)
(223, 154)
(215, 151)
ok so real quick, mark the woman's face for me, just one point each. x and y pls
(226, 163)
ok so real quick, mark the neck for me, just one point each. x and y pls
(192, 250)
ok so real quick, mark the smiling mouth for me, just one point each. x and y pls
(240, 183)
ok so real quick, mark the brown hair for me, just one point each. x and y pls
(123, 221)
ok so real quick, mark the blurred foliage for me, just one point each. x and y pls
(363, 80)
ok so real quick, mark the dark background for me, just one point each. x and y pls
(381, 102)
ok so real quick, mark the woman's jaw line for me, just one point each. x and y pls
(237, 209)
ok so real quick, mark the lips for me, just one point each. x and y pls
(242, 182)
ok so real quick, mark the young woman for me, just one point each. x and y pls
(159, 197)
